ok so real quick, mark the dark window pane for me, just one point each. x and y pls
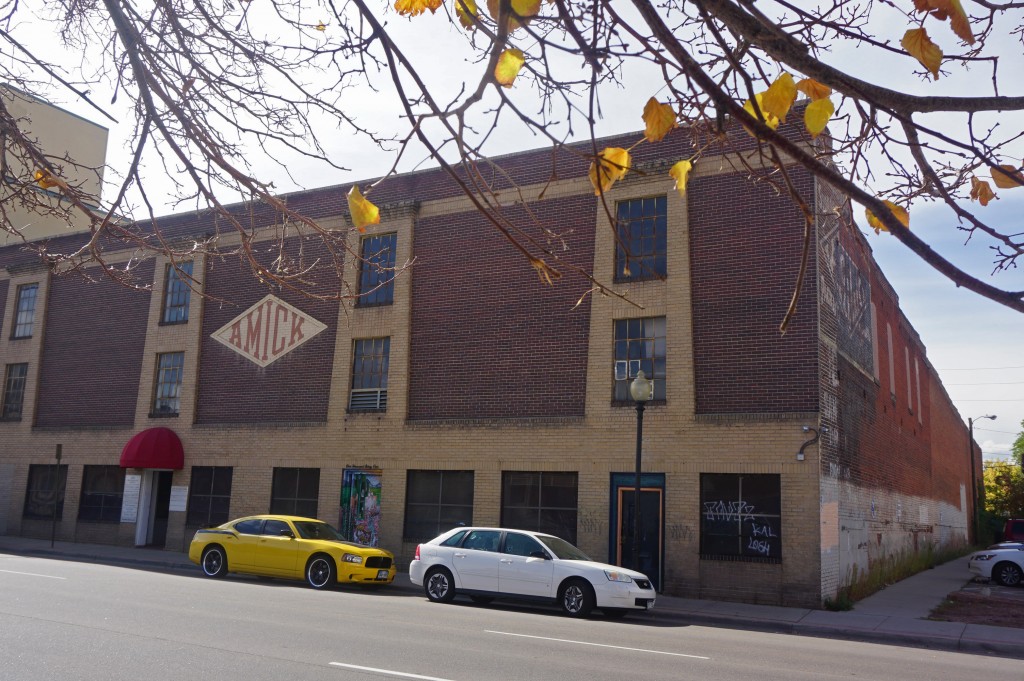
(296, 491)
(377, 270)
(177, 293)
(46, 485)
(639, 345)
(741, 517)
(25, 311)
(642, 241)
(102, 489)
(249, 527)
(540, 501)
(209, 496)
(436, 501)
(15, 376)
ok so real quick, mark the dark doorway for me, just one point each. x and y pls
(652, 523)
(161, 507)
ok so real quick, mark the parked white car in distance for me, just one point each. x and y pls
(1003, 566)
(485, 563)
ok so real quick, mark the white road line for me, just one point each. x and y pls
(599, 645)
(389, 672)
(31, 574)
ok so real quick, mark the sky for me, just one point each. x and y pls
(972, 342)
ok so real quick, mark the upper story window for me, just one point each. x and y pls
(639, 346)
(370, 375)
(25, 311)
(641, 239)
(377, 270)
(177, 293)
(167, 393)
(14, 392)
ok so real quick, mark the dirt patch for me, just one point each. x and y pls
(981, 607)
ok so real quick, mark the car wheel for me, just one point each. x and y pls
(614, 613)
(320, 571)
(439, 586)
(576, 598)
(1007, 574)
(214, 562)
(482, 600)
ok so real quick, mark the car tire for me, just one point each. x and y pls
(482, 600)
(321, 571)
(576, 598)
(214, 562)
(1007, 574)
(439, 586)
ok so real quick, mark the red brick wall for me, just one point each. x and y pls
(92, 350)
(296, 387)
(745, 249)
(488, 339)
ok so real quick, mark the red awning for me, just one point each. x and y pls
(154, 448)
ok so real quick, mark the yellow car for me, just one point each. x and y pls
(291, 547)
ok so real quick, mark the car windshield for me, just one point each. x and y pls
(311, 530)
(562, 549)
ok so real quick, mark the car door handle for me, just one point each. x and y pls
(460, 555)
(506, 560)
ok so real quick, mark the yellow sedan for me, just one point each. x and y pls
(290, 547)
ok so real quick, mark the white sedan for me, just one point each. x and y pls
(485, 563)
(1003, 566)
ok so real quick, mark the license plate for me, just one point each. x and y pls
(382, 574)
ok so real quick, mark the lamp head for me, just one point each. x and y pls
(642, 388)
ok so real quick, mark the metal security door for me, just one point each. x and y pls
(652, 523)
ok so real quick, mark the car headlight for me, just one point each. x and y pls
(616, 576)
(352, 558)
(983, 556)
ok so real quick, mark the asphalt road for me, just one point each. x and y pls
(68, 620)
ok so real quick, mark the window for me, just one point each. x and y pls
(102, 489)
(277, 528)
(436, 501)
(377, 270)
(254, 526)
(641, 246)
(370, 375)
(209, 496)
(521, 545)
(45, 488)
(14, 392)
(167, 396)
(177, 293)
(540, 501)
(639, 346)
(295, 492)
(482, 540)
(25, 311)
(740, 517)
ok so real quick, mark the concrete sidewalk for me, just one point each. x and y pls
(896, 615)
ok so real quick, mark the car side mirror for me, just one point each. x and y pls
(286, 533)
(540, 554)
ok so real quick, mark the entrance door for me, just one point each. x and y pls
(154, 508)
(652, 523)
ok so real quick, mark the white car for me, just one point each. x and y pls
(485, 563)
(1003, 566)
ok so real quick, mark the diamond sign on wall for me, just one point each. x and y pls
(268, 331)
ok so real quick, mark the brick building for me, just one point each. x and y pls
(465, 390)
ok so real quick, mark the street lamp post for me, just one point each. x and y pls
(641, 390)
(974, 478)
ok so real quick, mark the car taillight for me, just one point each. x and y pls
(417, 554)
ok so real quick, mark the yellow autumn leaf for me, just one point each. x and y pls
(525, 9)
(817, 115)
(898, 212)
(509, 64)
(1007, 177)
(46, 179)
(958, 20)
(981, 191)
(780, 96)
(659, 119)
(362, 211)
(813, 89)
(321, 26)
(680, 172)
(770, 120)
(411, 8)
(919, 46)
(610, 166)
(467, 12)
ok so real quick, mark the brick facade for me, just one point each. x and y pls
(492, 371)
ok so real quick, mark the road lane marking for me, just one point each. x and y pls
(31, 574)
(389, 672)
(599, 645)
